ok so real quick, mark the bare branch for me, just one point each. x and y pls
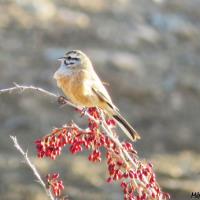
(22, 88)
(32, 167)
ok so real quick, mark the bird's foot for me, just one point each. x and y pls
(62, 100)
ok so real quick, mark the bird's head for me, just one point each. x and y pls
(71, 62)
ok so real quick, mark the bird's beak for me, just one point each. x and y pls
(60, 59)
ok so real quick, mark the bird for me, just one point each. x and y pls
(80, 83)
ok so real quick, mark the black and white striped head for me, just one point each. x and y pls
(72, 61)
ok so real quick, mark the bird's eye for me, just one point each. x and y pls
(69, 57)
(65, 62)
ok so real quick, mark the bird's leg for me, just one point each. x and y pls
(62, 100)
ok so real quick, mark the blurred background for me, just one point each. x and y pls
(148, 51)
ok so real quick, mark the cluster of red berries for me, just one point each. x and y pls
(138, 182)
(54, 184)
(137, 178)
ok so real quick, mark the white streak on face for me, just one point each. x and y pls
(63, 70)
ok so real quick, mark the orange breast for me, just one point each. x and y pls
(74, 88)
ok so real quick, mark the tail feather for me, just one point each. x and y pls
(129, 130)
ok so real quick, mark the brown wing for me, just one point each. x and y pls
(101, 92)
(104, 98)
(99, 89)
(128, 129)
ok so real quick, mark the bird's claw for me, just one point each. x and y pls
(62, 100)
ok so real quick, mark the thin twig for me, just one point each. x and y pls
(22, 88)
(33, 168)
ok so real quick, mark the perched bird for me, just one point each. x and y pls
(80, 83)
